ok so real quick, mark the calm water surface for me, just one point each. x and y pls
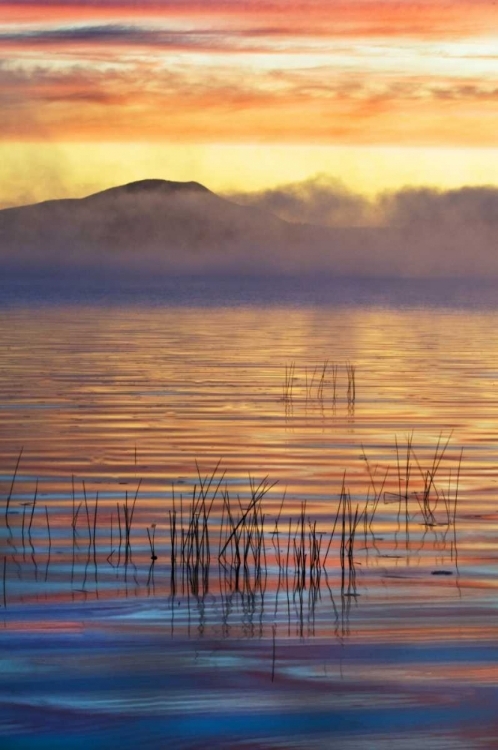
(97, 645)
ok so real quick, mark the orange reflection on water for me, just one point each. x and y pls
(112, 396)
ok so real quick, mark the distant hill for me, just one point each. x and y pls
(153, 223)
(158, 226)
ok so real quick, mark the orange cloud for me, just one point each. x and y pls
(146, 98)
(352, 17)
(368, 72)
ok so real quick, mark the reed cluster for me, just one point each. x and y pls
(318, 383)
(215, 531)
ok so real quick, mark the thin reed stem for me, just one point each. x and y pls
(48, 528)
(9, 496)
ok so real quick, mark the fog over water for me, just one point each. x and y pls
(157, 227)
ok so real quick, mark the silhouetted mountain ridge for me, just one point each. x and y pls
(166, 187)
(166, 225)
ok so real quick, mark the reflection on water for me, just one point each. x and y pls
(248, 527)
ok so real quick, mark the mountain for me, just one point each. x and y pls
(152, 223)
(161, 227)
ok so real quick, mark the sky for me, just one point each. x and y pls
(246, 96)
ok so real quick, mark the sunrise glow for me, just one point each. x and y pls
(375, 92)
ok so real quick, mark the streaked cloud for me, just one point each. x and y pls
(209, 97)
(350, 73)
(425, 18)
(141, 36)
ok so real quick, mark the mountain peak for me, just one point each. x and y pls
(153, 186)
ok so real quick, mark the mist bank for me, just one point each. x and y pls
(327, 202)
(156, 228)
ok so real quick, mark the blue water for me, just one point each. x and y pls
(216, 291)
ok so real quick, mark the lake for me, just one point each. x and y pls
(248, 515)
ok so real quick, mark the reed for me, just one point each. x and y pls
(404, 467)
(257, 494)
(457, 486)
(378, 491)
(111, 535)
(75, 518)
(432, 492)
(276, 535)
(289, 381)
(315, 380)
(87, 513)
(95, 520)
(349, 524)
(76, 511)
(195, 539)
(9, 496)
(315, 565)
(242, 551)
(48, 528)
(351, 392)
(152, 538)
(23, 523)
(343, 490)
(128, 513)
(33, 506)
(300, 553)
(334, 371)
(309, 385)
(119, 525)
(73, 523)
(173, 542)
(321, 382)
